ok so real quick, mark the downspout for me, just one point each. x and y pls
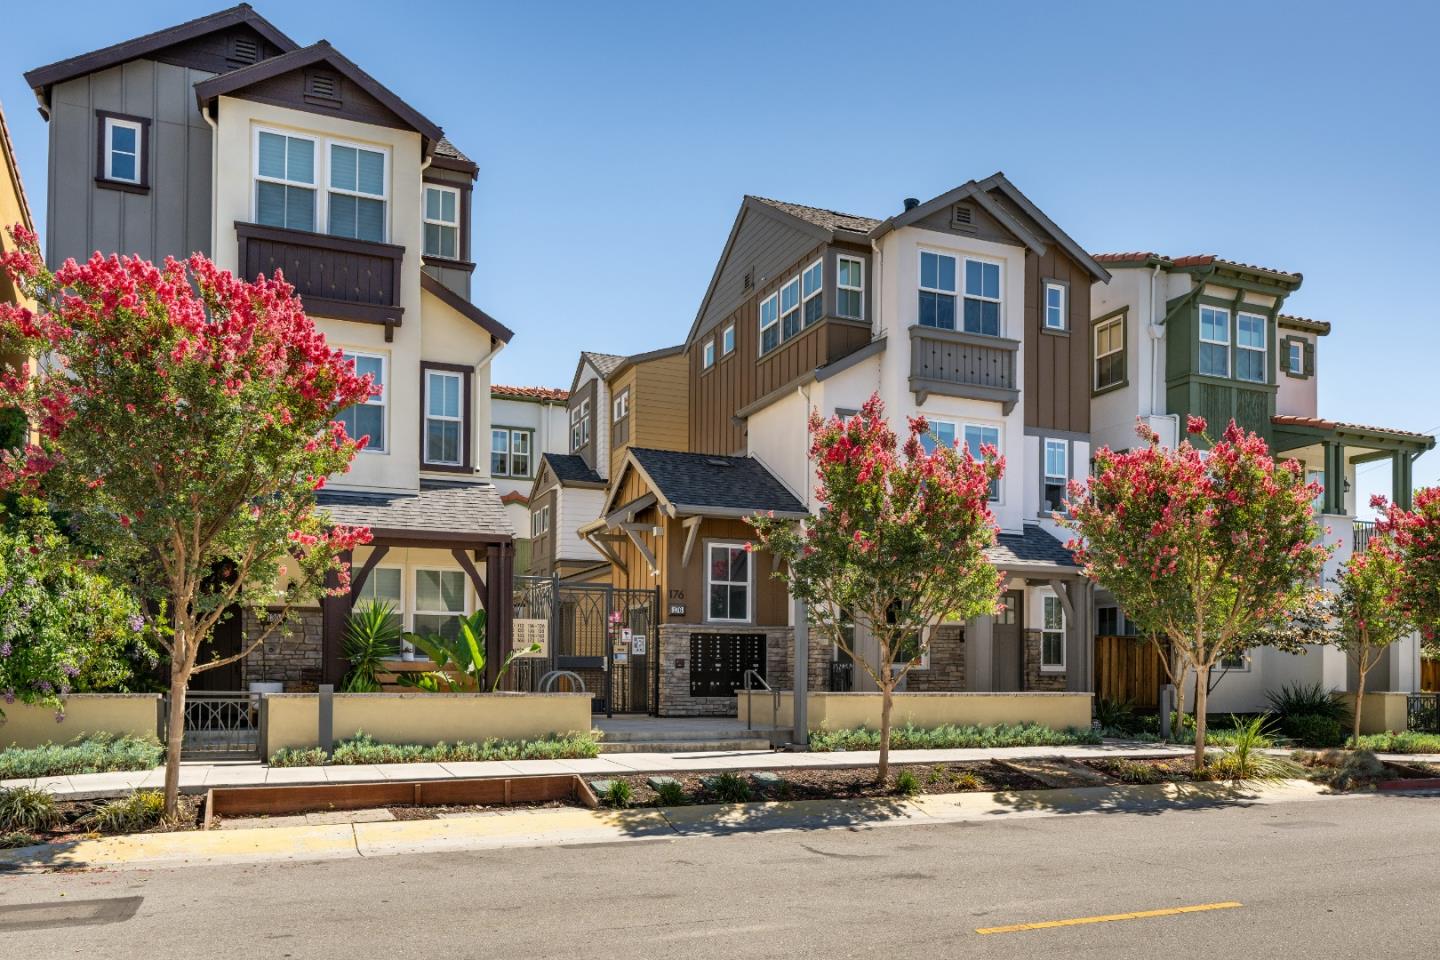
(1156, 330)
(214, 177)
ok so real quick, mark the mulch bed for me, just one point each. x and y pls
(75, 810)
(412, 812)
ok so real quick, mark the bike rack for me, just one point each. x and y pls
(548, 681)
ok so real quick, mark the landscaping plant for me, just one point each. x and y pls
(1198, 547)
(196, 416)
(1415, 538)
(141, 810)
(372, 634)
(1370, 612)
(906, 783)
(619, 794)
(671, 794)
(730, 787)
(28, 808)
(948, 737)
(1310, 714)
(895, 547)
(96, 753)
(1246, 761)
(465, 652)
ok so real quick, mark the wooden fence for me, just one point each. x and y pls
(1430, 676)
(1127, 669)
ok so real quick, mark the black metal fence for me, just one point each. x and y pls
(842, 676)
(1423, 712)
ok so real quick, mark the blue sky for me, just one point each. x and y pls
(616, 139)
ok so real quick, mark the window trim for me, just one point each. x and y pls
(467, 603)
(104, 120)
(710, 546)
(511, 434)
(383, 402)
(1064, 289)
(1044, 631)
(540, 521)
(760, 317)
(1200, 339)
(727, 340)
(860, 263)
(461, 253)
(466, 464)
(330, 188)
(1294, 347)
(707, 354)
(620, 406)
(580, 420)
(954, 295)
(1120, 317)
(1263, 349)
(999, 300)
(795, 310)
(320, 210)
(817, 294)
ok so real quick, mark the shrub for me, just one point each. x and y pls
(1311, 700)
(1245, 761)
(17, 838)
(298, 757)
(730, 787)
(29, 809)
(967, 780)
(1407, 742)
(1135, 772)
(1314, 730)
(936, 774)
(141, 810)
(671, 795)
(906, 783)
(100, 753)
(619, 794)
(1115, 716)
(364, 749)
(950, 737)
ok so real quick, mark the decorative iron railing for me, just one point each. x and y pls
(1423, 712)
(1364, 530)
(225, 725)
(842, 676)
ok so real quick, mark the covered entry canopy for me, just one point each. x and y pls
(466, 519)
(1340, 443)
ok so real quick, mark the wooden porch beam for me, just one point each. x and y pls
(602, 542)
(634, 531)
(692, 530)
(357, 582)
(462, 557)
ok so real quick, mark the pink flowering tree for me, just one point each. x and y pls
(183, 420)
(1204, 549)
(1415, 536)
(1370, 613)
(897, 544)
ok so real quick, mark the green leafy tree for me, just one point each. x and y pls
(1370, 611)
(63, 626)
(1207, 550)
(183, 420)
(896, 546)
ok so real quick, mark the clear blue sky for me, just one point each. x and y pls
(616, 139)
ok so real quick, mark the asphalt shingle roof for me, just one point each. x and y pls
(1013, 550)
(571, 468)
(606, 363)
(828, 219)
(440, 506)
(706, 480)
(444, 148)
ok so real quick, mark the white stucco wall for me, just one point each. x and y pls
(1297, 396)
(549, 423)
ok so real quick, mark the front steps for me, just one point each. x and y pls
(682, 735)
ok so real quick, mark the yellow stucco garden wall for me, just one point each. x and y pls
(842, 711)
(135, 714)
(1382, 712)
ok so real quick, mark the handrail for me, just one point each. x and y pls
(774, 701)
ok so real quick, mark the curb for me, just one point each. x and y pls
(1425, 783)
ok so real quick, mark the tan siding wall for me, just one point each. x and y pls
(661, 418)
(621, 438)
(1057, 365)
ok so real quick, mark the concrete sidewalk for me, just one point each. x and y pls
(199, 777)
(568, 826)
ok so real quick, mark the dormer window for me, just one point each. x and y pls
(442, 222)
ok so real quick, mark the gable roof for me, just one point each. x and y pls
(453, 158)
(41, 79)
(646, 357)
(465, 308)
(544, 394)
(987, 193)
(8, 159)
(604, 363)
(832, 220)
(571, 468)
(1289, 321)
(206, 91)
(703, 484)
(1148, 258)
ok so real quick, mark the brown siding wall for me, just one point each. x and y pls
(622, 434)
(661, 419)
(1057, 365)
(542, 548)
(588, 452)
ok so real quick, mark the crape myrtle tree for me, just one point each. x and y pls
(896, 545)
(1415, 536)
(183, 420)
(1206, 549)
(1370, 611)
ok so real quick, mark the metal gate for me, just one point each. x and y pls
(219, 726)
(1423, 712)
(607, 635)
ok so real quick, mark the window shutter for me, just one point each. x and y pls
(1309, 359)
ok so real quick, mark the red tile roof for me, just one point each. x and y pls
(530, 393)
(1124, 257)
(514, 496)
(1286, 420)
(1190, 260)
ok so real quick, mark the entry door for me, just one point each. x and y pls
(1009, 636)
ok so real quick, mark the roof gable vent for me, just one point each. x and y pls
(750, 279)
(962, 216)
(244, 50)
(322, 87)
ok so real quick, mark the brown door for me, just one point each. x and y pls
(1009, 663)
(224, 641)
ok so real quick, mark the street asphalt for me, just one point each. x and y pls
(1330, 877)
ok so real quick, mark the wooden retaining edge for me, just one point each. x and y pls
(279, 800)
(1419, 783)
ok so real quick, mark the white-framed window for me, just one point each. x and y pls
(444, 418)
(124, 140)
(982, 297)
(509, 452)
(1296, 359)
(937, 290)
(1052, 635)
(579, 425)
(1057, 471)
(942, 433)
(812, 285)
(790, 309)
(973, 436)
(540, 521)
(707, 354)
(727, 340)
(1317, 477)
(727, 583)
(850, 287)
(385, 585)
(442, 222)
(285, 180)
(1238, 661)
(442, 597)
(769, 323)
(1056, 309)
(1110, 353)
(367, 418)
(1214, 341)
(1250, 348)
(358, 192)
(621, 407)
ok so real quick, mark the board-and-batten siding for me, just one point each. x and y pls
(661, 421)
(173, 218)
(577, 507)
(765, 243)
(1057, 365)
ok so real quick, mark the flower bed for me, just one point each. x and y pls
(951, 737)
(98, 753)
(364, 749)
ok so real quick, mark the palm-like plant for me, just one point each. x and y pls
(1246, 760)
(465, 651)
(372, 634)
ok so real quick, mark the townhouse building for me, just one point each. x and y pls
(223, 135)
(1207, 336)
(525, 424)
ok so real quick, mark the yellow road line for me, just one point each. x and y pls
(1107, 918)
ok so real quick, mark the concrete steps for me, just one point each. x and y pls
(761, 743)
(682, 736)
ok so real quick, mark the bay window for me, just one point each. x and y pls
(849, 287)
(1250, 348)
(1214, 341)
(442, 222)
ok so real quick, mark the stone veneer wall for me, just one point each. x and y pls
(293, 654)
(946, 672)
(1035, 679)
(675, 699)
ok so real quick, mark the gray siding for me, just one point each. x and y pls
(763, 242)
(173, 218)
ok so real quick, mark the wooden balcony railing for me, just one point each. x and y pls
(956, 364)
(335, 276)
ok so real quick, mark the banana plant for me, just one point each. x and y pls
(466, 652)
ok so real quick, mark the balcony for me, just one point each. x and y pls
(956, 364)
(1364, 530)
(337, 277)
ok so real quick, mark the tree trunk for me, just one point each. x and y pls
(1202, 682)
(1359, 703)
(883, 774)
(175, 735)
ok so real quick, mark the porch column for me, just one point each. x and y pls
(980, 654)
(1401, 478)
(499, 606)
(1333, 501)
(333, 613)
(801, 686)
